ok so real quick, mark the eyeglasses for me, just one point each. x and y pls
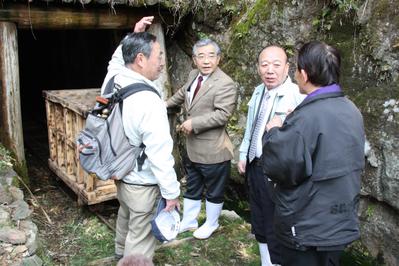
(202, 57)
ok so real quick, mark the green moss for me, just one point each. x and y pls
(370, 210)
(22, 170)
(258, 12)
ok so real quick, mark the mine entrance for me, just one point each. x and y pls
(56, 60)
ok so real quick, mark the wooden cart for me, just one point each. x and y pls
(66, 115)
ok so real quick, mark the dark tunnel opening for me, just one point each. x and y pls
(58, 60)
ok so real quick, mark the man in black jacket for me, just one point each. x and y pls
(315, 160)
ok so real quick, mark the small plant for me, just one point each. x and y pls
(6, 161)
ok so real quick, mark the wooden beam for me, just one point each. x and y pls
(46, 17)
(10, 105)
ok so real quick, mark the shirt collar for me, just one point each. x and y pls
(203, 77)
(282, 89)
(326, 89)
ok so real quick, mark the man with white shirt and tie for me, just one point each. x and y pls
(209, 99)
(277, 95)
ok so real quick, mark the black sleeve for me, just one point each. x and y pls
(286, 159)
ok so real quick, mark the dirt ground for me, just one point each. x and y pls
(56, 213)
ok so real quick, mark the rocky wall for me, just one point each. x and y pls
(18, 234)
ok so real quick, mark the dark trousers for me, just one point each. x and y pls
(212, 177)
(262, 210)
(310, 257)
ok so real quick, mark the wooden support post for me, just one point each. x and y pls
(10, 105)
(163, 81)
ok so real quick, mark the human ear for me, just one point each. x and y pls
(304, 75)
(140, 60)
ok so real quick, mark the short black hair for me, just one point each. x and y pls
(321, 62)
(135, 43)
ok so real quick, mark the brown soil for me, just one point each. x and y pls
(60, 204)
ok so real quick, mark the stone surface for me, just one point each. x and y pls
(32, 261)
(5, 197)
(231, 215)
(31, 232)
(4, 216)
(379, 228)
(12, 236)
(20, 210)
(18, 234)
(16, 193)
(7, 177)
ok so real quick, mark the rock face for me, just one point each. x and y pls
(18, 234)
(366, 33)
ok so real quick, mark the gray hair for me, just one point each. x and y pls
(205, 42)
(135, 43)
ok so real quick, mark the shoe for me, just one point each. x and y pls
(213, 211)
(191, 209)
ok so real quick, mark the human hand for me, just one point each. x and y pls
(172, 204)
(274, 122)
(143, 23)
(241, 166)
(186, 127)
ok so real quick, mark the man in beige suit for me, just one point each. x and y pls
(209, 99)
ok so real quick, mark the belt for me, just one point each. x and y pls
(141, 185)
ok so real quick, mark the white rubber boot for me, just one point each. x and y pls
(213, 211)
(264, 255)
(191, 209)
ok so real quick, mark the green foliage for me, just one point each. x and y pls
(327, 18)
(370, 210)
(357, 255)
(6, 160)
(95, 240)
(231, 244)
(346, 6)
(258, 11)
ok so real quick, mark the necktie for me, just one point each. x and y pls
(258, 130)
(200, 78)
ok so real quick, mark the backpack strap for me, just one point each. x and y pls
(110, 86)
(126, 92)
(133, 88)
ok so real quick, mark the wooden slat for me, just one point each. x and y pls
(102, 183)
(59, 135)
(50, 129)
(69, 144)
(79, 101)
(89, 182)
(47, 17)
(105, 190)
(80, 173)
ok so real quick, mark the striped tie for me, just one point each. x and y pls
(258, 130)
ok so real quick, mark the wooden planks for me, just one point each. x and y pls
(66, 113)
(47, 17)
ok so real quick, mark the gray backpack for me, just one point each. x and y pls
(103, 146)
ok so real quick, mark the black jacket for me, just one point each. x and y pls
(315, 160)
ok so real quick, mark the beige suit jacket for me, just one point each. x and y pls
(210, 111)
